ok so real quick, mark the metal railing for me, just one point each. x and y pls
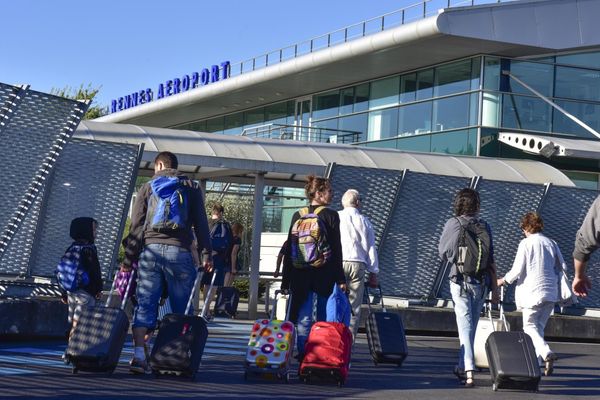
(302, 133)
(371, 26)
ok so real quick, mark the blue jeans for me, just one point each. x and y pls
(162, 264)
(468, 300)
(305, 317)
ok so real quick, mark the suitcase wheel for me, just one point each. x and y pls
(494, 387)
(74, 370)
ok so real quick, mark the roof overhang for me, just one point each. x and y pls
(512, 29)
(286, 163)
(552, 146)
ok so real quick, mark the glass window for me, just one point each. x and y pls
(414, 119)
(255, 117)
(519, 112)
(326, 104)
(233, 124)
(583, 180)
(384, 92)
(491, 74)
(415, 143)
(383, 124)
(424, 84)
(591, 60)
(537, 76)
(195, 126)
(491, 109)
(357, 122)
(475, 71)
(456, 142)
(408, 88)
(361, 97)
(451, 113)
(321, 134)
(346, 100)
(277, 113)
(214, 125)
(587, 112)
(452, 78)
(577, 83)
(387, 144)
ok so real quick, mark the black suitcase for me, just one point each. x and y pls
(98, 338)
(513, 362)
(180, 342)
(386, 337)
(227, 302)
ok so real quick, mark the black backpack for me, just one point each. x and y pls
(473, 253)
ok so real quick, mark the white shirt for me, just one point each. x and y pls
(358, 239)
(535, 269)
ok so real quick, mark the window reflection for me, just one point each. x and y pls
(415, 119)
(530, 113)
(452, 78)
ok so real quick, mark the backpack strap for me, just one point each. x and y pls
(319, 209)
(303, 211)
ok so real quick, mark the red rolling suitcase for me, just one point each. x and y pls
(513, 362)
(97, 340)
(327, 353)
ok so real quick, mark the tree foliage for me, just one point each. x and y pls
(83, 93)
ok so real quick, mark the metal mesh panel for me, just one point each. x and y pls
(91, 178)
(563, 211)
(27, 140)
(377, 188)
(408, 257)
(502, 206)
(6, 92)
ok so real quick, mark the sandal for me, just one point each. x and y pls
(549, 364)
(470, 381)
(460, 373)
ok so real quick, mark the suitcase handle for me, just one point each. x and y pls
(380, 297)
(114, 286)
(488, 310)
(206, 304)
(289, 306)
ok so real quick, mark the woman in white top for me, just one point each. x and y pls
(535, 269)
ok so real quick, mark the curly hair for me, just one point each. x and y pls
(466, 202)
(315, 184)
(532, 222)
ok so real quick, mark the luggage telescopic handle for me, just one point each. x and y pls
(114, 286)
(488, 307)
(208, 295)
(380, 297)
(287, 311)
(188, 307)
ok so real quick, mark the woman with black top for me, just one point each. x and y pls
(305, 283)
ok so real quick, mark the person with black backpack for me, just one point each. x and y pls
(466, 246)
(166, 211)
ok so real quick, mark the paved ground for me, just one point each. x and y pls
(34, 370)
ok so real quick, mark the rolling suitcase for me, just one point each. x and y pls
(227, 302)
(327, 353)
(386, 337)
(513, 362)
(485, 327)
(98, 337)
(271, 346)
(180, 342)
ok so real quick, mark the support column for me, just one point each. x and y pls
(259, 187)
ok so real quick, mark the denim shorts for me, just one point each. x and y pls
(159, 265)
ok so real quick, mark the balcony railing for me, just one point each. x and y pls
(302, 133)
(371, 26)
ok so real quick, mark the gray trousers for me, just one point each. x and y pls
(355, 279)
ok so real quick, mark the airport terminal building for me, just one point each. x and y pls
(504, 79)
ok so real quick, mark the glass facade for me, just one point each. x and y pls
(455, 108)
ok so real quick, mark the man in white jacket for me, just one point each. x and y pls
(358, 252)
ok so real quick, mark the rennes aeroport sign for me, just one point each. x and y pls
(172, 86)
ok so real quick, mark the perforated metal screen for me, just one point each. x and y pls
(377, 188)
(563, 211)
(408, 256)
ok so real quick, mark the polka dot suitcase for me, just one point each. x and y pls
(270, 349)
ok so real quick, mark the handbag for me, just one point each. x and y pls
(566, 297)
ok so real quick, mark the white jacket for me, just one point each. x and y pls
(358, 239)
(535, 269)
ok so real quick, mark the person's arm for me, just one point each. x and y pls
(279, 260)
(234, 256)
(581, 283)
(518, 267)
(335, 242)
(287, 259)
(200, 225)
(449, 240)
(136, 229)
(92, 266)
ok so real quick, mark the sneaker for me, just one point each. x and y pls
(549, 365)
(138, 366)
(470, 379)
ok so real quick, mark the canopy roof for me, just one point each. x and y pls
(229, 158)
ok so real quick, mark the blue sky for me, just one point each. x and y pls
(127, 45)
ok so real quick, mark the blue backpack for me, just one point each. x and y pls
(167, 206)
(221, 238)
(69, 271)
